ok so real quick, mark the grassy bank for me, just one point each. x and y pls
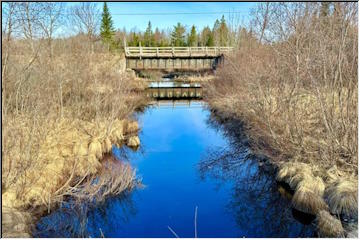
(64, 107)
(294, 85)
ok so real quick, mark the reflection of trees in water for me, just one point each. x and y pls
(256, 203)
(86, 221)
(72, 219)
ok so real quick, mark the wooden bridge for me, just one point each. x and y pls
(175, 91)
(175, 58)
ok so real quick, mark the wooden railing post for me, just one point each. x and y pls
(172, 50)
(206, 51)
(157, 52)
(140, 49)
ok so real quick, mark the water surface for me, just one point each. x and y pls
(188, 160)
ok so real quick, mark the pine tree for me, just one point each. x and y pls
(107, 29)
(216, 34)
(192, 38)
(178, 36)
(134, 40)
(207, 38)
(149, 36)
(210, 41)
(223, 32)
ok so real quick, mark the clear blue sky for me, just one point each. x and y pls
(168, 21)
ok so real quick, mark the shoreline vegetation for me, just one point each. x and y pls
(292, 84)
(65, 103)
(296, 93)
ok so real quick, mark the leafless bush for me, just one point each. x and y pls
(297, 87)
(50, 84)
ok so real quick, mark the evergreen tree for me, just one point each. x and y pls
(216, 34)
(164, 39)
(210, 41)
(107, 29)
(223, 32)
(192, 38)
(157, 37)
(134, 40)
(207, 38)
(178, 36)
(149, 36)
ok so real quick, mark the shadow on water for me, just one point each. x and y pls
(195, 160)
(73, 221)
(258, 206)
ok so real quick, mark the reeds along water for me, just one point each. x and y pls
(59, 122)
(259, 208)
(295, 108)
(71, 152)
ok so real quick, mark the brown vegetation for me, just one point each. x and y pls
(64, 102)
(293, 82)
(328, 225)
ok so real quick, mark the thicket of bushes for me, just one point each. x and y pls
(64, 102)
(293, 81)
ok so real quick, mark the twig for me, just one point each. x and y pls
(195, 221)
(173, 232)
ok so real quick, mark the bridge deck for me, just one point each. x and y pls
(175, 52)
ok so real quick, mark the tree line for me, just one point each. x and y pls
(50, 21)
(180, 36)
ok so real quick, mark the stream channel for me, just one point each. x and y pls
(199, 180)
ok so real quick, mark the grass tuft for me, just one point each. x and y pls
(307, 201)
(342, 197)
(328, 225)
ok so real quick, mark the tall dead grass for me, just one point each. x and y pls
(61, 114)
(296, 90)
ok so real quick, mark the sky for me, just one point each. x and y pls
(136, 15)
(139, 22)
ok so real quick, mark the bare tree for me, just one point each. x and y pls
(8, 22)
(85, 18)
(28, 15)
(50, 19)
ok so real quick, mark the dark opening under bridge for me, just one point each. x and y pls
(175, 58)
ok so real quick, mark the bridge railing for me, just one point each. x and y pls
(176, 51)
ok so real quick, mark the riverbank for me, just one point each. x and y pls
(297, 98)
(333, 219)
(61, 116)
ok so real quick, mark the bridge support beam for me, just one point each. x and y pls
(188, 64)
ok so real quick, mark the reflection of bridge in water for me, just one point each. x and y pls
(174, 90)
(190, 103)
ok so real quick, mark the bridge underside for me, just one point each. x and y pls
(174, 64)
(175, 93)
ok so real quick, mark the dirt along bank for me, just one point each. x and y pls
(59, 130)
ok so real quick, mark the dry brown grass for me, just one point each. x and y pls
(342, 197)
(291, 173)
(113, 178)
(308, 201)
(61, 114)
(329, 226)
(297, 96)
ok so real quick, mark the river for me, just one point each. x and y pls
(195, 173)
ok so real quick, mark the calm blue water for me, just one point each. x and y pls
(186, 161)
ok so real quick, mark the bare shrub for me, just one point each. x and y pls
(63, 105)
(293, 82)
(297, 91)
